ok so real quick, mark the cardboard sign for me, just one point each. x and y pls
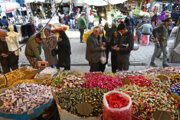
(161, 115)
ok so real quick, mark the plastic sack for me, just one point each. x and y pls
(103, 57)
(123, 113)
(144, 39)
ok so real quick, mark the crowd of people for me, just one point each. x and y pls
(118, 39)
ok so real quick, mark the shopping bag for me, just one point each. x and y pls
(144, 39)
(177, 49)
(103, 57)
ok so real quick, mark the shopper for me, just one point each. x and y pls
(160, 38)
(71, 18)
(81, 26)
(113, 43)
(109, 29)
(146, 29)
(124, 47)
(33, 49)
(93, 50)
(4, 23)
(64, 51)
(8, 59)
(103, 42)
(49, 43)
(130, 22)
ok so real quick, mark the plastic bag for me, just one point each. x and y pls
(103, 57)
(144, 39)
(123, 113)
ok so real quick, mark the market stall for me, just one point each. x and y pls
(136, 95)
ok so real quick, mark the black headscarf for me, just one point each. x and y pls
(64, 45)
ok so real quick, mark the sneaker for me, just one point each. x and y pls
(153, 64)
(166, 65)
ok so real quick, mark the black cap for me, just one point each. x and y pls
(121, 26)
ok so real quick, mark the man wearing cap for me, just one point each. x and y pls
(124, 47)
(160, 38)
(8, 59)
(81, 26)
(33, 49)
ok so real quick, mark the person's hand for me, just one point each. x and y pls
(155, 40)
(117, 49)
(103, 43)
(103, 48)
(4, 55)
(60, 39)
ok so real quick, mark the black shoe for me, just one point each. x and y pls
(82, 42)
(153, 64)
(166, 65)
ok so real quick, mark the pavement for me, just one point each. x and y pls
(139, 59)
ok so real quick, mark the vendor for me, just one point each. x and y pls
(8, 59)
(33, 49)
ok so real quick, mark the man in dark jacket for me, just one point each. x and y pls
(130, 22)
(124, 47)
(109, 29)
(8, 59)
(160, 38)
(93, 50)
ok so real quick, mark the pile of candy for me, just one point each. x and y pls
(140, 80)
(146, 100)
(175, 88)
(70, 98)
(99, 80)
(25, 97)
(66, 79)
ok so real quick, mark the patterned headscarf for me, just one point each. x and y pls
(51, 40)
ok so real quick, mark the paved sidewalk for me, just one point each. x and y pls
(139, 59)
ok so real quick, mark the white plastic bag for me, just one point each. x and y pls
(103, 57)
(177, 49)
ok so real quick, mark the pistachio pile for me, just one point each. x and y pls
(70, 98)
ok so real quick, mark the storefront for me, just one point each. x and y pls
(9, 8)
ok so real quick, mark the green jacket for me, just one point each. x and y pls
(81, 23)
(162, 34)
(33, 49)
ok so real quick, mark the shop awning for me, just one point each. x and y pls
(44, 1)
(8, 7)
(103, 2)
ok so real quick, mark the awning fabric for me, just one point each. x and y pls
(8, 7)
(103, 2)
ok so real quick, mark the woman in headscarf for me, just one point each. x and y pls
(114, 42)
(64, 51)
(49, 44)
